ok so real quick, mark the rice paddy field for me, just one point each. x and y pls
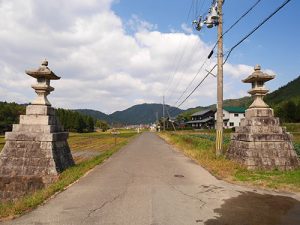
(86, 145)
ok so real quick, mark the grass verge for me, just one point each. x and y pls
(29, 202)
(2, 142)
(200, 147)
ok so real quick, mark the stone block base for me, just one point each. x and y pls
(12, 188)
(267, 155)
(35, 152)
(260, 143)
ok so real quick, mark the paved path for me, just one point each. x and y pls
(149, 183)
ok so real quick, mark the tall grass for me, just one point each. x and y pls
(2, 142)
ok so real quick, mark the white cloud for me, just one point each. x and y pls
(102, 65)
(186, 28)
(138, 25)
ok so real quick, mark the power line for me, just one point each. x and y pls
(211, 52)
(243, 39)
(235, 23)
(195, 4)
(179, 55)
(208, 73)
(191, 82)
(178, 80)
(256, 28)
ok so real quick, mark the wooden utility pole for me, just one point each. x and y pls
(219, 127)
(164, 121)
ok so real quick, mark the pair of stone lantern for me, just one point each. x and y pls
(36, 150)
(260, 142)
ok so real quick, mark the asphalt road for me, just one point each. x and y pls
(149, 183)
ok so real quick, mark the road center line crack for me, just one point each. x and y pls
(190, 196)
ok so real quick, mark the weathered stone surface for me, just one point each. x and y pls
(15, 187)
(38, 120)
(40, 110)
(37, 128)
(260, 142)
(262, 146)
(35, 152)
(25, 136)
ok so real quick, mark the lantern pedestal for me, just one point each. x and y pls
(259, 142)
(35, 152)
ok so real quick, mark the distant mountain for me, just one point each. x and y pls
(290, 91)
(137, 114)
(94, 113)
(143, 113)
(146, 113)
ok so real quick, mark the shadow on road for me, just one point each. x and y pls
(251, 208)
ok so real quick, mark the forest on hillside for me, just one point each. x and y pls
(72, 121)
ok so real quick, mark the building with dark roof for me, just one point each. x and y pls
(206, 119)
(203, 119)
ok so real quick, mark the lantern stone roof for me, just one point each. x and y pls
(258, 75)
(43, 72)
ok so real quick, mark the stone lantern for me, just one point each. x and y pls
(258, 79)
(43, 76)
(36, 151)
(260, 142)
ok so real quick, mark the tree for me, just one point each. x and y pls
(90, 124)
(290, 108)
(297, 113)
(79, 123)
(103, 125)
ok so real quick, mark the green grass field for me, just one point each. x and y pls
(104, 143)
(200, 147)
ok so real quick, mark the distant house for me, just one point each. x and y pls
(232, 116)
(203, 119)
(206, 119)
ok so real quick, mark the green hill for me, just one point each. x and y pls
(290, 91)
(137, 114)
(96, 114)
(143, 113)
(277, 99)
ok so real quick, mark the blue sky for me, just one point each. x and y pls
(275, 45)
(113, 54)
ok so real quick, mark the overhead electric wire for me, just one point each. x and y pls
(191, 82)
(237, 44)
(208, 73)
(211, 52)
(170, 82)
(236, 22)
(256, 28)
(179, 56)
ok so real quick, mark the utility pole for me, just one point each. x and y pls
(164, 121)
(219, 126)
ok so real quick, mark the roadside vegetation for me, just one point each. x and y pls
(94, 148)
(2, 142)
(200, 147)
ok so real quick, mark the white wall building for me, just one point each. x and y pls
(232, 116)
